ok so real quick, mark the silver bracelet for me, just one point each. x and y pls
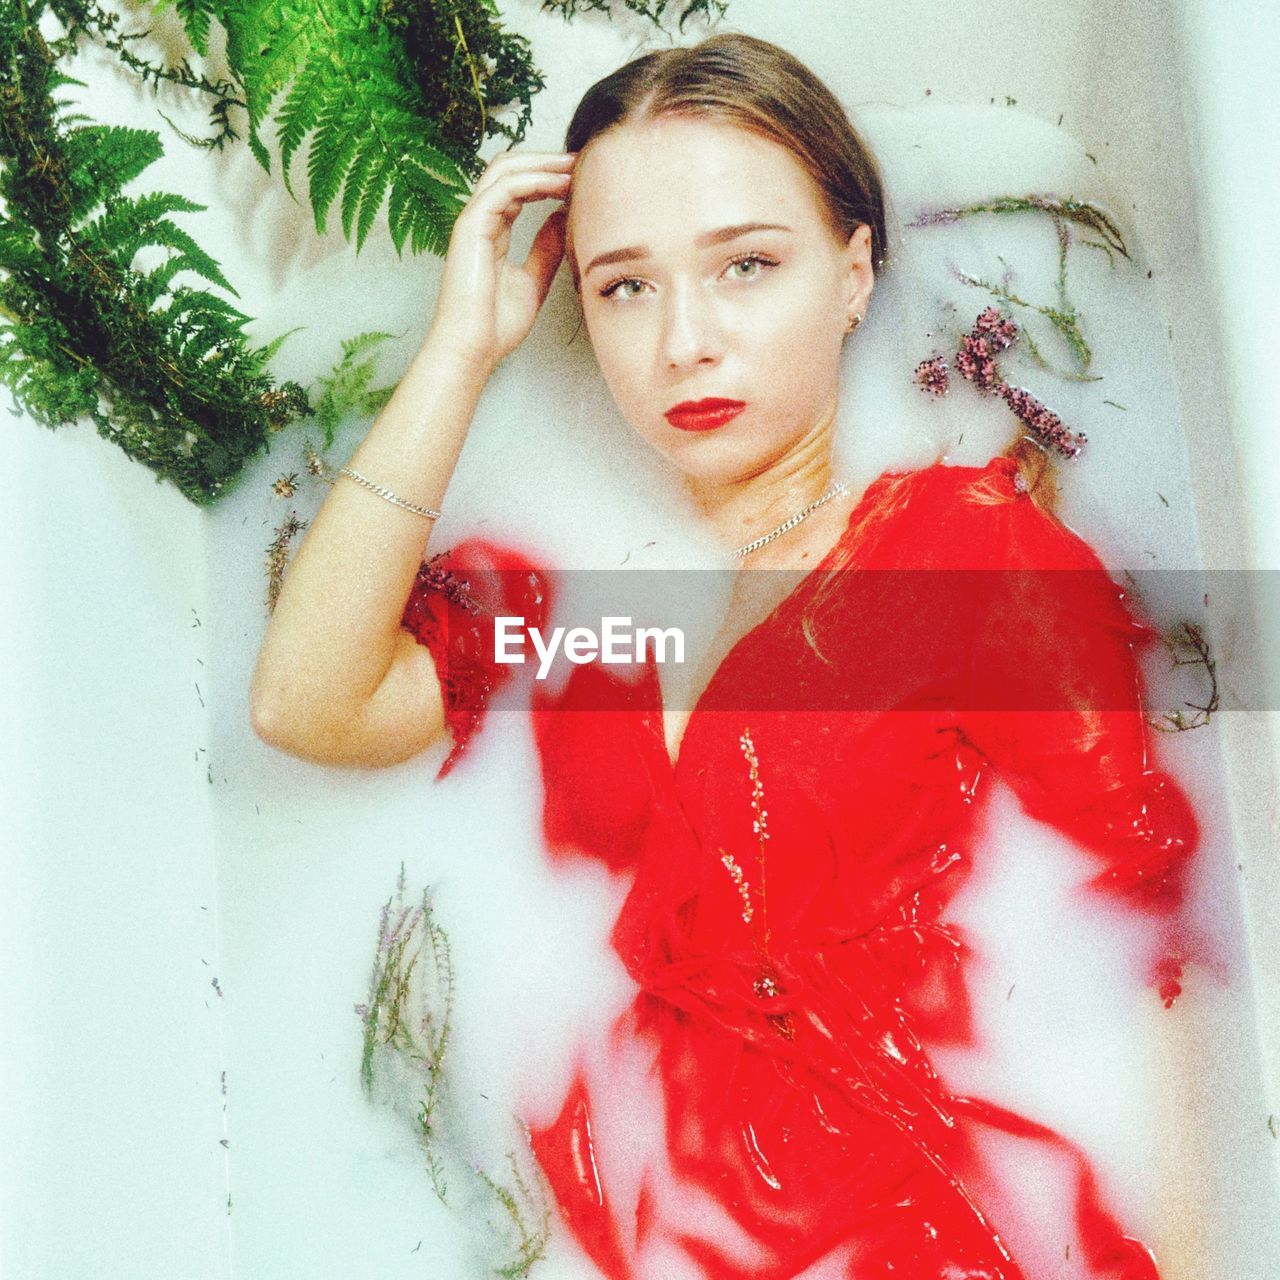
(390, 497)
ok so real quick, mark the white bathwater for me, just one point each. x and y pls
(249, 892)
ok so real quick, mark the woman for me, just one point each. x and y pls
(793, 842)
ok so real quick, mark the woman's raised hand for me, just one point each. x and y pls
(487, 304)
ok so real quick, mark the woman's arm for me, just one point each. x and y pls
(1057, 704)
(337, 680)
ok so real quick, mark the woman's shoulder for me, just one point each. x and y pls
(988, 515)
(492, 575)
(997, 481)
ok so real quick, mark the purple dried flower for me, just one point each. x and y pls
(936, 217)
(931, 374)
(999, 330)
(1042, 422)
(437, 578)
(976, 361)
(992, 332)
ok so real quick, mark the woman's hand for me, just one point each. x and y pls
(487, 304)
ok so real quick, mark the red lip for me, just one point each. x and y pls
(703, 415)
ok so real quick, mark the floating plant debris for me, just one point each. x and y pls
(1064, 212)
(407, 1020)
(992, 333)
(1189, 648)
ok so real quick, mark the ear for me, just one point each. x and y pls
(861, 275)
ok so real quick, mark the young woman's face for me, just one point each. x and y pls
(709, 270)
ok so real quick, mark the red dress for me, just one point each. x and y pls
(790, 875)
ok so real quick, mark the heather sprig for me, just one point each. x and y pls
(1060, 208)
(994, 332)
(407, 1019)
(527, 1213)
(1063, 212)
(932, 374)
(413, 1022)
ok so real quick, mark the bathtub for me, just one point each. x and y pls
(186, 914)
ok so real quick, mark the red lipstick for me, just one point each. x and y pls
(703, 415)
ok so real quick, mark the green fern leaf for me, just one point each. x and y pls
(105, 157)
(260, 152)
(357, 182)
(18, 250)
(374, 194)
(267, 352)
(348, 87)
(129, 225)
(303, 106)
(189, 304)
(168, 234)
(331, 153)
(195, 15)
(125, 224)
(154, 284)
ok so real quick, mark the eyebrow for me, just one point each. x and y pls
(718, 236)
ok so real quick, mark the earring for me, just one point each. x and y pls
(854, 322)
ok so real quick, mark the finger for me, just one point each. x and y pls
(546, 253)
(509, 162)
(504, 200)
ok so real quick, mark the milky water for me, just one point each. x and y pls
(326, 1181)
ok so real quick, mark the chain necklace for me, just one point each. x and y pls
(836, 489)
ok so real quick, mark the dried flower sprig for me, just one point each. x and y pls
(278, 556)
(1189, 648)
(1064, 318)
(992, 333)
(740, 883)
(932, 375)
(1085, 212)
(759, 824)
(407, 1018)
(527, 1212)
(1063, 211)
(408, 934)
(1045, 425)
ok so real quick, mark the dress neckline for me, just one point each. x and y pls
(787, 602)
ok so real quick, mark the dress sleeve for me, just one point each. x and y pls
(455, 597)
(1056, 704)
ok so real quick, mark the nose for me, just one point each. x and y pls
(692, 332)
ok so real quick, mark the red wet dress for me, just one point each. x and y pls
(789, 878)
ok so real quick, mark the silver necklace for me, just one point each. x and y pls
(836, 489)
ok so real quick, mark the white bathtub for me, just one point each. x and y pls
(139, 853)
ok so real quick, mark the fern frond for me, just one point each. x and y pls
(102, 157)
(196, 16)
(18, 249)
(304, 103)
(353, 101)
(333, 149)
(128, 225)
(347, 387)
(177, 387)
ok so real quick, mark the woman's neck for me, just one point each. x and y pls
(742, 510)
